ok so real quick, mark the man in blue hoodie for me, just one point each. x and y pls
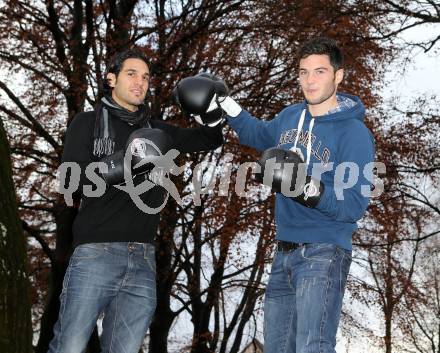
(303, 298)
(304, 295)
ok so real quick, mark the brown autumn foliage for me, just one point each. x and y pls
(59, 50)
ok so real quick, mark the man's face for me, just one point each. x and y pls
(131, 84)
(318, 78)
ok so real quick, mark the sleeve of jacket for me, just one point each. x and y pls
(198, 139)
(77, 151)
(347, 200)
(253, 132)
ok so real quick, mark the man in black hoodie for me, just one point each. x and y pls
(112, 269)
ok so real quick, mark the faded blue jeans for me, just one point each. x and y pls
(117, 279)
(303, 299)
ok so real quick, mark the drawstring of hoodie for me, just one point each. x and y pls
(309, 137)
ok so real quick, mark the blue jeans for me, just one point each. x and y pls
(303, 299)
(117, 279)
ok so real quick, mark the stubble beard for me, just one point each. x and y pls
(322, 99)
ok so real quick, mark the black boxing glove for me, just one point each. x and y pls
(144, 146)
(221, 89)
(221, 97)
(194, 96)
(285, 172)
(115, 168)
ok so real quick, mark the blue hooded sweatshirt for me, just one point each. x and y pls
(338, 148)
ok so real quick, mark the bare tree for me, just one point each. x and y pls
(423, 322)
(404, 15)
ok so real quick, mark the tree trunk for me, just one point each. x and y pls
(164, 316)
(15, 309)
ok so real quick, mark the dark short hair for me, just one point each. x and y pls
(116, 62)
(323, 46)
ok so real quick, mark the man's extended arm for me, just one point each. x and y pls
(198, 139)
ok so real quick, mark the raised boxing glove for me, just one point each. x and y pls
(194, 96)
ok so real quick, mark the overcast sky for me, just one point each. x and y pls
(421, 76)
